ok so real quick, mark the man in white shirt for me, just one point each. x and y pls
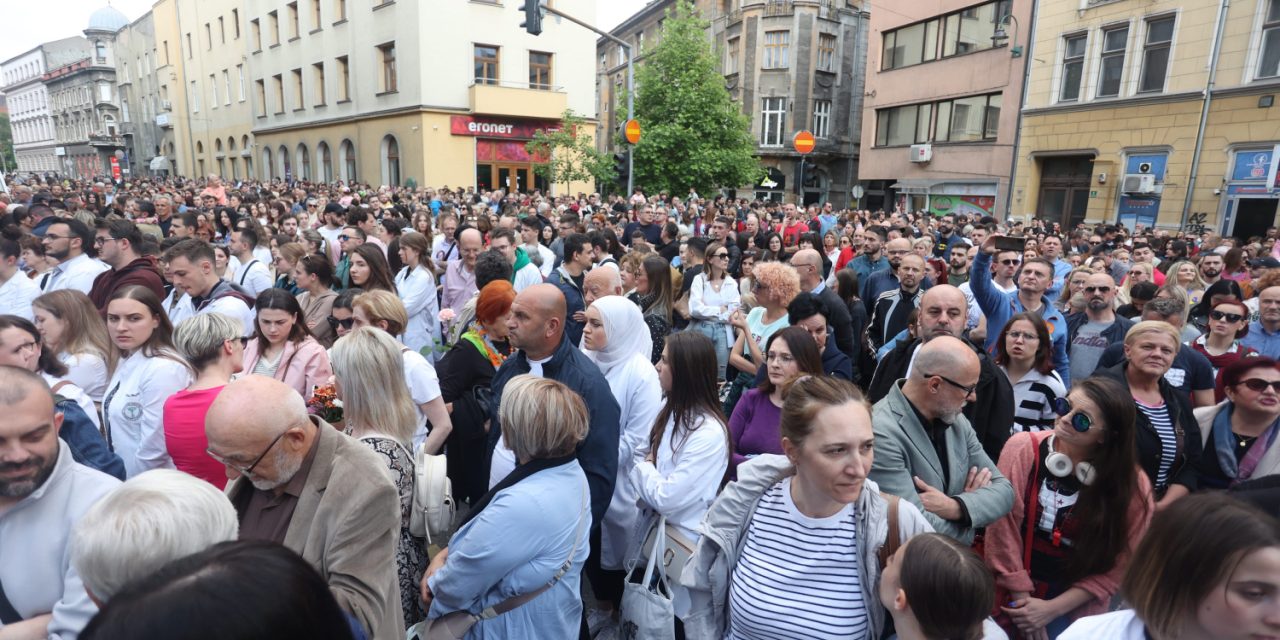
(445, 248)
(526, 273)
(250, 273)
(530, 229)
(334, 217)
(65, 240)
(191, 270)
(16, 289)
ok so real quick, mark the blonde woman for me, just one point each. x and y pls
(71, 327)
(1138, 272)
(380, 413)
(1185, 274)
(1067, 300)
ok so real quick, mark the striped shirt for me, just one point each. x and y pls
(1158, 416)
(797, 577)
(1033, 396)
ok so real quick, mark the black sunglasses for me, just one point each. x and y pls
(1080, 421)
(1258, 384)
(1011, 263)
(1103, 289)
(345, 324)
(1229, 317)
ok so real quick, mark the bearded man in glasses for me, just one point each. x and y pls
(1092, 330)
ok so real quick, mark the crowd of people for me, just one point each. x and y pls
(222, 405)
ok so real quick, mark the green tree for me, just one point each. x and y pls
(693, 135)
(570, 155)
(7, 160)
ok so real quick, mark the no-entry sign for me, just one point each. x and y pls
(803, 142)
(632, 131)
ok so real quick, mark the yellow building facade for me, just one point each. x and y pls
(1156, 114)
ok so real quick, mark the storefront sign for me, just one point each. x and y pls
(1252, 165)
(491, 128)
(1273, 175)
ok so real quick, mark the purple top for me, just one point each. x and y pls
(754, 427)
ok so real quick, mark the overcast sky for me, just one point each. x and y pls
(29, 23)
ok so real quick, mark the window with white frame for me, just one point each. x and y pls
(821, 118)
(773, 115)
(1111, 67)
(1155, 55)
(1072, 66)
(777, 49)
(1269, 62)
(826, 52)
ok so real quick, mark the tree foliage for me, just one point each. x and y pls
(694, 136)
(568, 154)
(7, 159)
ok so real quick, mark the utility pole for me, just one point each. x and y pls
(536, 23)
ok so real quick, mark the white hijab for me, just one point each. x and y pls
(626, 331)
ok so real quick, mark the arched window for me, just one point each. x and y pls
(199, 147)
(326, 162)
(217, 145)
(286, 167)
(347, 156)
(390, 161)
(231, 144)
(267, 169)
(303, 163)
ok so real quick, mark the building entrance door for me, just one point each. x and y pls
(1064, 190)
(1254, 216)
(512, 177)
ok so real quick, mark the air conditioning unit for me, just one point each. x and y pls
(921, 152)
(164, 104)
(1138, 183)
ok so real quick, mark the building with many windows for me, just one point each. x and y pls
(1152, 113)
(353, 91)
(30, 118)
(942, 97)
(793, 65)
(83, 105)
(144, 108)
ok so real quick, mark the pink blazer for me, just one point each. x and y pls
(303, 365)
(1005, 537)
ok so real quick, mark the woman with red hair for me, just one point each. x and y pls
(466, 372)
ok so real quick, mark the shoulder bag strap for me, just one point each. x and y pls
(8, 615)
(893, 539)
(1033, 492)
(58, 387)
(246, 271)
(520, 600)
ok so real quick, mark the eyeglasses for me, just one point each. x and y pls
(101, 241)
(1023, 336)
(1010, 262)
(249, 469)
(244, 340)
(966, 389)
(1229, 317)
(782, 358)
(345, 324)
(1080, 421)
(1102, 289)
(1260, 385)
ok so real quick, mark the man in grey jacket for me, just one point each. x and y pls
(926, 450)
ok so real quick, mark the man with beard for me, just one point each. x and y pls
(872, 258)
(43, 493)
(302, 483)
(1090, 331)
(1051, 250)
(927, 452)
(943, 311)
(998, 306)
(887, 279)
(958, 263)
(947, 237)
(1264, 333)
(1210, 268)
(67, 241)
(892, 308)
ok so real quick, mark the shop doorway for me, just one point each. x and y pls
(509, 177)
(1254, 216)
(1064, 190)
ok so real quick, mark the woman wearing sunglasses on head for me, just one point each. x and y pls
(1080, 505)
(1239, 432)
(1228, 323)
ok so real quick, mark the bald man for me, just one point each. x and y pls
(943, 312)
(808, 263)
(926, 451)
(537, 332)
(887, 279)
(600, 283)
(892, 310)
(300, 482)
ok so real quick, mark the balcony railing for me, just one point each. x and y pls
(779, 8)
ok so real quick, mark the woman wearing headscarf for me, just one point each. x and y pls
(617, 339)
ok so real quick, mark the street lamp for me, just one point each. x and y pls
(998, 38)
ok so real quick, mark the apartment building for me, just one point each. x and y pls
(144, 106)
(83, 105)
(30, 118)
(1153, 113)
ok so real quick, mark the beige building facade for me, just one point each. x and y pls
(1159, 113)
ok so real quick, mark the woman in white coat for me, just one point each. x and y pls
(416, 284)
(149, 371)
(616, 337)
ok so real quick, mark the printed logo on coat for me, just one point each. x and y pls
(132, 411)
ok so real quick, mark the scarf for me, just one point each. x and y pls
(521, 472)
(522, 259)
(480, 340)
(1224, 443)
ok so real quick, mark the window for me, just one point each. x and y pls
(255, 30)
(821, 118)
(194, 96)
(104, 92)
(235, 23)
(344, 79)
(222, 30)
(1072, 67)
(261, 95)
(100, 51)
(826, 52)
(240, 79)
(1155, 55)
(317, 80)
(208, 37)
(166, 53)
(910, 45)
(773, 115)
(339, 10)
(1111, 68)
(971, 29)
(190, 52)
(486, 58)
(969, 119)
(1269, 62)
(226, 86)
(777, 47)
(292, 7)
(390, 161)
(387, 58)
(297, 89)
(273, 24)
(213, 90)
(903, 125)
(731, 56)
(277, 84)
(539, 70)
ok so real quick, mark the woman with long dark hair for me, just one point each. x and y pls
(1024, 353)
(416, 283)
(1228, 323)
(283, 347)
(1080, 505)
(753, 428)
(1217, 292)
(314, 276)
(656, 297)
(370, 270)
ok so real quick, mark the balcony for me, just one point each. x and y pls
(105, 140)
(778, 8)
(519, 100)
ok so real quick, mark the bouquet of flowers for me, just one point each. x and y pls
(325, 404)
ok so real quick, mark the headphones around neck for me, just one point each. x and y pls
(1059, 464)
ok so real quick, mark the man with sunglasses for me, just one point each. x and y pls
(300, 482)
(1092, 330)
(998, 307)
(926, 450)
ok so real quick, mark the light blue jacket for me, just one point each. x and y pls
(516, 545)
(999, 306)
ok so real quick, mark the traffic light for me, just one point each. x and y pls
(532, 17)
(622, 166)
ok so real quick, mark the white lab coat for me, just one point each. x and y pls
(133, 409)
(417, 289)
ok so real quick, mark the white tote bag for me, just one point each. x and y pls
(647, 610)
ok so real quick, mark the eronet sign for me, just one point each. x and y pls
(496, 128)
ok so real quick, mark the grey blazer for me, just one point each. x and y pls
(903, 450)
